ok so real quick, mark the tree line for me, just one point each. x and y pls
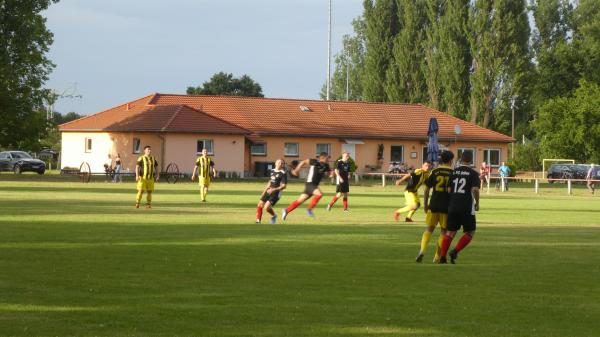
(480, 60)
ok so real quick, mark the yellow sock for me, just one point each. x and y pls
(438, 248)
(425, 240)
(202, 193)
(149, 198)
(138, 197)
(403, 209)
(411, 213)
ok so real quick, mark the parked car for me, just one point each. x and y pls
(19, 161)
(568, 171)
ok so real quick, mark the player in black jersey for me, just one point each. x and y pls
(436, 209)
(464, 202)
(272, 192)
(342, 173)
(316, 171)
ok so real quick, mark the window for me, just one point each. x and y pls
(137, 145)
(88, 145)
(258, 149)
(205, 144)
(461, 150)
(323, 148)
(397, 153)
(291, 149)
(3, 155)
(492, 157)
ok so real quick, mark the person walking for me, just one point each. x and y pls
(118, 169)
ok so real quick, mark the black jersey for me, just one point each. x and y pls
(438, 182)
(417, 178)
(462, 180)
(316, 171)
(278, 177)
(343, 170)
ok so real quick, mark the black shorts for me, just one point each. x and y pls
(309, 188)
(342, 188)
(273, 198)
(465, 220)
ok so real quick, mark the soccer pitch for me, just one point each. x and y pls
(78, 260)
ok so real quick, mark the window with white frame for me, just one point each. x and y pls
(291, 149)
(258, 149)
(397, 153)
(202, 144)
(467, 149)
(88, 145)
(323, 148)
(492, 157)
(137, 145)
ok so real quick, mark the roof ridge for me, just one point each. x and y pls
(293, 99)
(104, 111)
(179, 107)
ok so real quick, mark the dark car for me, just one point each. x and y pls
(19, 161)
(568, 171)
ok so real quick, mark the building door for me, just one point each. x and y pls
(351, 149)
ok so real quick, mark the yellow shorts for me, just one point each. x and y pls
(411, 198)
(146, 185)
(432, 219)
(204, 181)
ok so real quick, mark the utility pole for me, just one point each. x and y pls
(70, 92)
(329, 53)
(347, 76)
(512, 132)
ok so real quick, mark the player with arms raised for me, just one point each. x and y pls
(436, 209)
(317, 169)
(342, 174)
(145, 174)
(411, 194)
(272, 192)
(464, 202)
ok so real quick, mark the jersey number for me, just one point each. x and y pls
(459, 185)
(441, 183)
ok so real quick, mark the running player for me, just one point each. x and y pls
(145, 174)
(318, 168)
(205, 166)
(436, 210)
(272, 192)
(464, 202)
(411, 194)
(342, 173)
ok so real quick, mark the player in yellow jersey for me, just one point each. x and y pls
(415, 180)
(205, 167)
(436, 208)
(145, 174)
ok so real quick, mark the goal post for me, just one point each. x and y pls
(544, 161)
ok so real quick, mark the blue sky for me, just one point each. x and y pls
(118, 50)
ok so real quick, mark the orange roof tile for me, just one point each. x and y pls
(285, 117)
(153, 118)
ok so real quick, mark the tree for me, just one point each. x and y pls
(404, 77)
(225, 84)
(24, 67)
(381, 27)
(349, 66)
(569, 127)
(454, 57)
(498, 36)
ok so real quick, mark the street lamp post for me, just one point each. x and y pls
(329, 53)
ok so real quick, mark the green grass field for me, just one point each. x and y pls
(78, 260)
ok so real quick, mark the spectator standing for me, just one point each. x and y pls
(504, 172)
(484, 174)
(590, 177)
(118, 169)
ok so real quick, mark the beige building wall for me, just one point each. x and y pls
(228, 151)
(74, 153)
(366, 154)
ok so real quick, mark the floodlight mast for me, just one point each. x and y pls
(329, 53)
(70, 92)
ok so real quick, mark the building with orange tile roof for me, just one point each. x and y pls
(245, 134)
